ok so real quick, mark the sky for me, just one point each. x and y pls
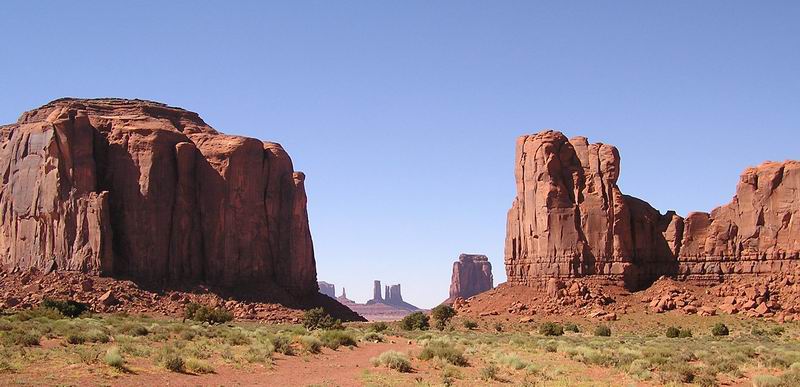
(404, 115)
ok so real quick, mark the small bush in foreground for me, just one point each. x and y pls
(720, 329)
(441, 315)
(489, 372)
(443, 350)
(416, 320)
(113, 358)
(198, 366)
(202, 313)
(316, 318)
(337, 338)
(469, 324)
(373, 337)
(24, 339)
(394, 360)
(310, 344)
(173, 362)
(571, 327)
(685, 333)
(602, 331)
(498, 327)
(379, 326)
(76, 338)
(551, 329)
(68, 308)
(282, 344)
(672, 332)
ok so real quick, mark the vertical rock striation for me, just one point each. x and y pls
(142, 190)
(569, 219)
(472, 274)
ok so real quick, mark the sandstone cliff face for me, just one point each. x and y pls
(570, 219)
(472, 274)
(143, 190)
(756, 233)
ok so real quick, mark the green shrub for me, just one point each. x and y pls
(373, 337)
(48, 313)
(336, 338)
(173, 362)
(443, 350)
(767, 381)
(21, 338)
(379, 326)
(197, 366)
(673, 332)
(512, 361)
(113, 358)
(416, 320)
(777, 331)
(551, 329)
(469, 324)
(76, 338)
(720, 329)
(316, 318)
(685, 333)
(203, 313)
(489, 372)
(602, 330)
(97, 336)
(68, 308)
(282, 344)
(310, 344)
(133, 329)
(571, 327)
(441, 315)
(394, 360)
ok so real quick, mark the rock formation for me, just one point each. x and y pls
(392, 297)
(145, 191)
(472, 274)
(327, 289)
(569, 219)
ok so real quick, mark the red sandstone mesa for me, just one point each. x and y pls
(472, 274)
(569, 219)
(142, 190)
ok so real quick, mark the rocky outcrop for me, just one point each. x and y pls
(392, 297)
(145, 191)
(758, 232)
(472, 274)
(569, 219)
(327, 289)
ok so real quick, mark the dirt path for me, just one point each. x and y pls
(342, 367)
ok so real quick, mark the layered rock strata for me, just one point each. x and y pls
(146, 191)
(570, 219)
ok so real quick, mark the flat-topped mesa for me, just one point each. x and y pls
(758, 232)
(472, 274)
(569, 219)
(143, 190)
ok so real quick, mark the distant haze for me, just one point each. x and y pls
(404, 115)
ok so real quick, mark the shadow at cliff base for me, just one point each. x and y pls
(264, 293)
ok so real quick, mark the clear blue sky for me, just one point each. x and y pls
(404, 114)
